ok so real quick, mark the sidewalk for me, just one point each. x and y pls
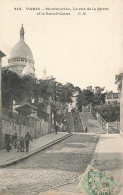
(108, 157)
(12, 157)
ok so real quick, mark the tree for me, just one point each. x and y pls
(99, 96)
(118, 81)
(29, 87)
(77, 89)
(17, 88)
(85, 97)
(11, 88)
(43, 89)
(110, 112)
(66, 93)
(99, 90)
(59, 92)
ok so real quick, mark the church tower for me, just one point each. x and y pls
(21, 57)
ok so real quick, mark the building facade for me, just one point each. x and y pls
(1, 128)
(113, 97)
(24, 117)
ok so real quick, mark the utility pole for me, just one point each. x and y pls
(1, 135)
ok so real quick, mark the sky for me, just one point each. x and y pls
(85, 50)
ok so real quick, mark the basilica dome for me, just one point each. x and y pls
(21, 50)
(27, 71)
(21, 56)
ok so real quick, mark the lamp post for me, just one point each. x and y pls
(1, 136)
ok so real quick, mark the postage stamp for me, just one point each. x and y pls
(96, 182)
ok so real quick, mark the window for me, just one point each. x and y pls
(115, 95)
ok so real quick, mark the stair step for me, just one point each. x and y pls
(75, 123)
(89, 121)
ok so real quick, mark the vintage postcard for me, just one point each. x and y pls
(61, 102)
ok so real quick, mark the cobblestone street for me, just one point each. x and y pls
(57, 165)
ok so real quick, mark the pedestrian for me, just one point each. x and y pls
(28, 138)
(22, 144)
(15, 140)
(18, 145)
(56, 128)
(8, 144)
(86, 129)
(69, 129)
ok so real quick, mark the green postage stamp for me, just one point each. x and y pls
(96, 182)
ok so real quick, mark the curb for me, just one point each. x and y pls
(95, 153)
(36, 151)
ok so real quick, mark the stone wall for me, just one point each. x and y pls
(44, 127)
(37, 128)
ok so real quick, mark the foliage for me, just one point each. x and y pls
(86, 97)
(27, 88)
(11, 88)
(118, 81)
(99, 96)
(110, 112)
(17, 88)
(99, 99)
(66, 93)
(44, 89)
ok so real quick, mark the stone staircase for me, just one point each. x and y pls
(77, 122)
(89, 121)
(70, 122)
(74, 122)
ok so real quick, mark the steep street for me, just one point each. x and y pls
(57, 165)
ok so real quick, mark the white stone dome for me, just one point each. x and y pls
(21, 50)
(27, 70)
(21, 57)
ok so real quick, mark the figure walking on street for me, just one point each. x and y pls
(18, 145)
(8, 144)
(22, 145)
(56, 128)
(15, 140)
(28, 138)
(86, 129)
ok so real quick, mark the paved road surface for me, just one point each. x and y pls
(57, 165)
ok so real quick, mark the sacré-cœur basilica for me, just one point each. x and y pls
(21, 57)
